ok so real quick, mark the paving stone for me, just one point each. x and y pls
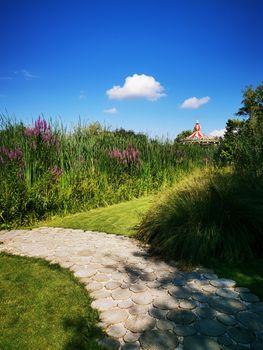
(85, 252)
(251, 320)
(154, 284)
(138, 310)
(241, 335)
(227, 320)
(100, 294)
(158, 313)
(165, 303)
(211, 328)
(257, 346)
(164, 325)
(149, 277)
(179, 292)
(92, 286)
(224, 340)
(210, 276)
(158, 340)
(138, 287)
(106, 270)
(168, 301)
(125, 304)
(131, 337)
(187, 304)
(181, 316)
(109, 344)
(117, 276)
(184, 330)
(112, 285)
(85, 272)
(223, 283)
(206, 312)
(201, 297)
(249, 297)
(179, 282)
(144, 298)
(116, 330)
(200, 342)
(103, 304)
(121, 294)
(227, 305)
(237, 347)
(257, 308)
(242, 290)
(131, 346)
(209, 288)
(227, 293)
(113, 316)
(140, 323)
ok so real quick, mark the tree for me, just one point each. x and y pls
(182, 135)
(227, 149)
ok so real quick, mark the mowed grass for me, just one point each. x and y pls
(122, 218)
(43, 307)
(119, 218)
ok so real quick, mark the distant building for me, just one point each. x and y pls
(198, 136)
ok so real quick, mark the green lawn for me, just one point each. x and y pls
(119, 218)
(43, 307)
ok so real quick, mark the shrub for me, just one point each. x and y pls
(209, 216)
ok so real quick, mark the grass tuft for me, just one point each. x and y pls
(213, 216)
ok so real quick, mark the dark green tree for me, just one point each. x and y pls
(182, 135)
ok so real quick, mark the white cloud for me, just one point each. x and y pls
(218, 133)
(135, 87)
(112, 110)
(82, 95)
(194, 102)
(27, 75)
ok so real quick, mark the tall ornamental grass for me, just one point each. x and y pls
(45, 170)
(210, 216)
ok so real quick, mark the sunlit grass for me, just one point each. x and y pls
(119, 218)
(43, 307)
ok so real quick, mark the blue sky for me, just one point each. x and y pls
(63, 58)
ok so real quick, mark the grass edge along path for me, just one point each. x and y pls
(118, 218)
(122, 218)
(43, 306)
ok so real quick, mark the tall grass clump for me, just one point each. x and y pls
(211, 216)
(45, 170)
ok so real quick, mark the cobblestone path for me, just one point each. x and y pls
(143, 302)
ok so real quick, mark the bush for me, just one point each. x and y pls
(213, 216)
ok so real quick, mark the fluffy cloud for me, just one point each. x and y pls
(194, 102)
(112, 110)
(218, 133)
(137, 86)
(82, 95)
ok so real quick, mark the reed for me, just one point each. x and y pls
(46, 170)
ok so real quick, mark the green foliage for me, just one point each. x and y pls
(212, 216)
(44, 307)
(182, 135)
(227, 150)
(44, 170)
(243, 142)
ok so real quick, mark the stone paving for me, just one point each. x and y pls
(145, 303)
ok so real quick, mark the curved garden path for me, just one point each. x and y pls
(143, 302)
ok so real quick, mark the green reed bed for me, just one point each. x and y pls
(45, 170)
